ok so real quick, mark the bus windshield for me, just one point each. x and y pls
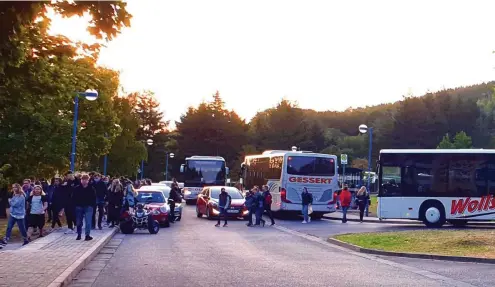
(210, 172)
(313, 166)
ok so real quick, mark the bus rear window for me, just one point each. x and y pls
(306, 165)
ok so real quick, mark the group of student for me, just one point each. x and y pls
(78, 196)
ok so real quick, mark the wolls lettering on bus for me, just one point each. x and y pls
(485, 203)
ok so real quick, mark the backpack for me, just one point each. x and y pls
(268, 199)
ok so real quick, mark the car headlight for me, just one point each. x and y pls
(187, 192)
(163, 209)
(177, 204)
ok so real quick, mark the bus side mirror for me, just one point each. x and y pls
(182, 167)
(227, 171)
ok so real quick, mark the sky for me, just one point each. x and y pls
(326, 55)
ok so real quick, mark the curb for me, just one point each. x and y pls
(410, 255)
(411, 222)
(71, 272)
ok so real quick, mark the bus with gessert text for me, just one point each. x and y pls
(287, 172)
(201, 171)
(437, 185)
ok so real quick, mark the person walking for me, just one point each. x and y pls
(57, 204)
(49, 195)
(267, 203)
(37, 204)
(249, 203)
(115, 198)
(259, 207)
(68, 205)
(345, 201)
(362, 200)
(84, 199)
(173, 197)
(17, 213)
(224, 201)
(306, 200)
(101, 194)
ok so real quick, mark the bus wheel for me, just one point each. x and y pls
(316, 216)
(458, 222)
(433, 214)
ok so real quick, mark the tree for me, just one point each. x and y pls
(361, 163)
(151, 118)
(460, 141)
(210, 129)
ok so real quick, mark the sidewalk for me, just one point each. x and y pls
(50, 261)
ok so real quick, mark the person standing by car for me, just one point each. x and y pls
(307, 199)
(249, 202)
(259, 203)
(267, 200)
(345, 202)
(224, 201)
(84, 200)
(362, 200)
(173, 197)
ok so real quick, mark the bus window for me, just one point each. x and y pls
(464, 173)
(313, 166)
(391, 180)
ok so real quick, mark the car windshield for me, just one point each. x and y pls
(234, 193)
(151, 197)
(154, 188)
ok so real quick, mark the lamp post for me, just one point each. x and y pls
(363, 129)
(150, 143)
(90, 95)
(171, 155)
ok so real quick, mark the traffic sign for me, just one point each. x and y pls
(363, 129)
(343, 158)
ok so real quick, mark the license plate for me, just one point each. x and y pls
(232, 211)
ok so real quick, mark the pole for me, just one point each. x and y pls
(343, 175)
(142, 169)
(74, 134)
(166, 168)
(369, 165)
(105, 159)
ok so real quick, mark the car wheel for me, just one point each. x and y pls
(179, 218)
(153, 226)
(198, 214)
(126, 227)
(316, 216)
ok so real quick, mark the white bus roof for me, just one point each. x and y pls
(475, 151)
(201, 157)
(289, 152)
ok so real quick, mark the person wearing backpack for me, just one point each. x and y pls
(268, 202)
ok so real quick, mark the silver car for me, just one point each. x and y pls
(166, 193)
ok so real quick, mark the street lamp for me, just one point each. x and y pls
(363, 129)
(150, 143)
(171, 155)
(90, 95)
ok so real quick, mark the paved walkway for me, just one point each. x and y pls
(48, 261)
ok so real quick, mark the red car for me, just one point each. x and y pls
(155, 200)
(207, 203)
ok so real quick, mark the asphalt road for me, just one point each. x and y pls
(195, 253)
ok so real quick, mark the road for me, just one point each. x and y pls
(195, 253)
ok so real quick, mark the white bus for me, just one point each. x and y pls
(201, 171)
(287, 172)
(437, 186)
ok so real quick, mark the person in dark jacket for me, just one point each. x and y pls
(259, 204)
(101, 194)
(267, 202)
(55, 203)
(173, 197)
(115, 198)
(306, 200)
(249, 202)
(84, 197)
(224, 201)
(68, 204)
(362, 200)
